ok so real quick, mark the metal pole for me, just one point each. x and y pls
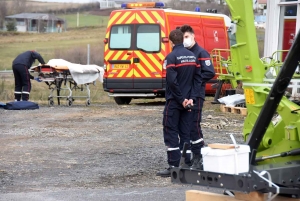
(88, 54)
(77, 19)
(52, 23)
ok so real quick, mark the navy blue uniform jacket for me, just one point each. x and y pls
(207, 69)
(27, 58)
(181, 65)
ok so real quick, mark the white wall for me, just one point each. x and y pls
(21, 28)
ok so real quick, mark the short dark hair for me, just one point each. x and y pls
(186, 28)
(176, 36)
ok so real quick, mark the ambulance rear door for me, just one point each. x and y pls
(119, 55)
(149, 50)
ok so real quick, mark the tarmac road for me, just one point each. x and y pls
(101, 152)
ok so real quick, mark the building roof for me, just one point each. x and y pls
(41, 16)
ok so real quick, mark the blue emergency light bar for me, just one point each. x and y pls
(143, 5)
(197, 9)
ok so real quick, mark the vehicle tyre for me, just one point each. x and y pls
(122, 100)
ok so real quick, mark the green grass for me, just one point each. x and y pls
(46, 44)
(85, 20)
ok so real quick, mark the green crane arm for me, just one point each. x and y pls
(246, 65)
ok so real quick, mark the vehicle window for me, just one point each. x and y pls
(120, 37)
(148, 38)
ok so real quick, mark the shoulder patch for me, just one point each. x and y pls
(207, 62)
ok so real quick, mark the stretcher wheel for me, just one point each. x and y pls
(69, 102)
(87, 103)
(50, 102)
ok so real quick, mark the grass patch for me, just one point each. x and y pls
(48, 43)
(85, 20)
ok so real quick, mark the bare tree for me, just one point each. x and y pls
(191, 5)
(18, 6)
(3, 13)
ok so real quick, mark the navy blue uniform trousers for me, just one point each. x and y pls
(196, 135)
(196, 131)
(176, 129)
(22, 82)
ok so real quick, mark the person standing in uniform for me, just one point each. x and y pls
(207, 73)
(181, 65)
(20, 67)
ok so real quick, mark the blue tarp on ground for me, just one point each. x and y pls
(21, 105)
(2, 105)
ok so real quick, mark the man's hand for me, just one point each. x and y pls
(190, 102)
(184, 103)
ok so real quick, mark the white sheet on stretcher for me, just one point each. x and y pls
(81, 74)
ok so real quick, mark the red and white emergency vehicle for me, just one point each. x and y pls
(136, 44)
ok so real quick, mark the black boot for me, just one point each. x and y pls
(165, 173)
(197, 162)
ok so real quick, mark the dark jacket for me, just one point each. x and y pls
(181, 66)
(207, 68)
(27, 58)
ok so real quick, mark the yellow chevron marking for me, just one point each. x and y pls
(105, 47)
(145, 61)
(113, 18)
(161, 56)
(163, 47)
(146, 15)
(154, 60)
(163, 34)
(107, 34)
(123, 17)
(116, 57)
(130, 19)
(130, 73)
(158, 17)
(124, 57)
(111, 75)
(136, 74)
(145, 73)
(121, 73)
(109, 55)
(139, 19)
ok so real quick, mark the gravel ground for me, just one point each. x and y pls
(101, 150)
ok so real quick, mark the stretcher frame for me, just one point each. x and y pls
(60, 79)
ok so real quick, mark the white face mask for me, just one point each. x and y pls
(187, 42)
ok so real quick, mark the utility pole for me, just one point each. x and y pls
(77, 19)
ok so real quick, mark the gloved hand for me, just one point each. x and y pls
(37, 79)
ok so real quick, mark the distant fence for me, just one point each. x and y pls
(6, 73)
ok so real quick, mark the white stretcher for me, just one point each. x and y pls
(62, 75)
